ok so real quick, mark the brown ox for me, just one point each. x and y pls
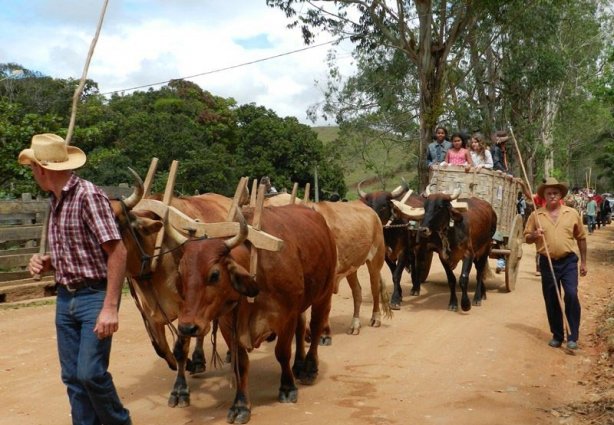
(359, 240)
(216, 284)
(457, 234)
(156, 292)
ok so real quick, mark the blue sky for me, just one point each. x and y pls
(148, 41)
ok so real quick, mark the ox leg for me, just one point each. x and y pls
(240, 411)
(480, 289)
(453, 304)
(198, 363)
(414, 261)
(319, 316)
(158, 340)
(357, 297)
(464, 283)
(377, 290)
(288, 392)
(299, 337)
(396, 270)
(180, 394)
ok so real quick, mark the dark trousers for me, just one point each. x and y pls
(566, 273)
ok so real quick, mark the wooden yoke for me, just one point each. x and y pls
(241, 187)
(293, 195)
(307, 188)
(253, 256)
(149, 178)
(166, 200)
(252, 199)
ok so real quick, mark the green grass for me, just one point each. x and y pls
(358, 167)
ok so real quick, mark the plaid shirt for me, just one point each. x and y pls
(80, 222)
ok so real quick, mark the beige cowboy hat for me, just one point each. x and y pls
(552, 182)
(51, 152)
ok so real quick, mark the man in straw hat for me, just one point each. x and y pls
(553, 229)
(88, 258)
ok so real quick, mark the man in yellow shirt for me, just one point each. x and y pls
(556, 227)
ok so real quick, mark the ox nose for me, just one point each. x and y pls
(188, 329)
(425, 231)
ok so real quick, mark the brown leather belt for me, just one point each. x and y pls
(95, 284)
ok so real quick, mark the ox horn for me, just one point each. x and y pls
(242, 235)
(410, 212)
(455, 194)
(361, 193)
(174, 234)
(400, 189)
(137, 193)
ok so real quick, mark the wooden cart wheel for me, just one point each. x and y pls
(515, 241)
(426, 266)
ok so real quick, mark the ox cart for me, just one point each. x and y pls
(501, 191)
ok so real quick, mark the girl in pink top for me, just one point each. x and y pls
(457, 154)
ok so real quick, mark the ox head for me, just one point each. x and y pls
(381, 201)
(138, 230)
(212, 279)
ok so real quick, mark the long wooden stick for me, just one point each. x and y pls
(71, 125)
(556, 286)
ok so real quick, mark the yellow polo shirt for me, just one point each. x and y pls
(561, 236)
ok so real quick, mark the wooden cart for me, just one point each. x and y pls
(501, 191)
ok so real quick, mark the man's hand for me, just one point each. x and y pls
(39, 264)
(107, 323)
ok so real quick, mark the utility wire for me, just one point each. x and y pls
(226, 68)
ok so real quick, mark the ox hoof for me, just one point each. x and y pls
(288, 395)
(326, 340)
(477, 303)
(414, 292)
(238, 415)
(195, 367)
(353, 331)
(395, 306)
(466, 305)
(453, 307)
(375, 323)
(179, 400)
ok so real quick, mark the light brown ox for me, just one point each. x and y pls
(156, 293)
(216, 284)
(359, 239)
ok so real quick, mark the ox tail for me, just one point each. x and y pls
(384, 296)
(216, 359)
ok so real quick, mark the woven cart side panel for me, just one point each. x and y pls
(498, 189)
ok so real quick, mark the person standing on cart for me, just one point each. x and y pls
(554, 228)
(436, 151)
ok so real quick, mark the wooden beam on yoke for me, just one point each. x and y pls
(166, 200)
(241, 187)
(307, 188)
(294, 192)
(149, 177)
(253, 256)
(252, 199)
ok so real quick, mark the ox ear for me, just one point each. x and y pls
(241, 280)
(148, 226)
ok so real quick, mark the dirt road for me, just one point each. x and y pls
(426, 365)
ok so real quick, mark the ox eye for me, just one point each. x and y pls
(214, 277)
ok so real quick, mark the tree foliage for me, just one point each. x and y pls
(215, 141)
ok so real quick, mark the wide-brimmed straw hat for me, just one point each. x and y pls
(51, 152)
(552, 182)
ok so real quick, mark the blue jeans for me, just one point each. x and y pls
(591, 221)
(566, 273)
(84, 359)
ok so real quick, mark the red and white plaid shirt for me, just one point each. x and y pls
(80, 222)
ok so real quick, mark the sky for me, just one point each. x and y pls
(151, 41)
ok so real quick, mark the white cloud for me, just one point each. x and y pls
(149, 41)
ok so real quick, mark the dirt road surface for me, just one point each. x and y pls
(425, 366)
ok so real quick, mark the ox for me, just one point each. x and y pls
(456, 233)
(359, 240)
(400, 240)
(156, 292)
(216, 284)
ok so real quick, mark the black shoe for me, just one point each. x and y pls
(555, 343)
(572, 345)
